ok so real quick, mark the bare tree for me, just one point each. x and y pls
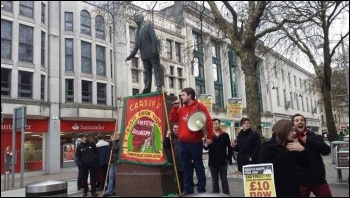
(314, 35)
(244, 24)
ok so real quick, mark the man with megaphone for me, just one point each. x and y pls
(194, 123)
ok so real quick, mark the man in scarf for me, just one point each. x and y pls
(312, 179)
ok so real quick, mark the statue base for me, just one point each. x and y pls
(145, 181)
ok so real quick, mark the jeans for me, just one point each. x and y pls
(111, 180)
(192, 151)
(319, 191)
(215, 171)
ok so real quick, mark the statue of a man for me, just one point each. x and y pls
(146, 41)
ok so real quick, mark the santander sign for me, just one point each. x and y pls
(84, 127)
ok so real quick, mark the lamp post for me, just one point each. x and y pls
(267, 86)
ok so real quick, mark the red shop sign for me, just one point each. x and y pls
(31, 126)
(87, 126)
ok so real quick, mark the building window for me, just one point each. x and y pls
(291, 99)
(322, 119)
(300, 83)
(69, 56)
(111, 62)
(100, 27)
(112, 95)
(282, 74)
(42, 87)
(219, 97)
(297, 99)
(295, 81)
(278, 97)
(169, 49)
(25, 84)
(86, 91)
(6, 39)
(135, 91)
(232, 61)
(180, 80)
(275, 70)
(26, 8)
(68, 17)
(85, 22)
(307, 105)
(132, 32)
(289, 80)
(178, 51)
(100, 60)
(302, 103)
(198, 63)
(43, 35)
(135, 70)
(43, 11)
(101, 93)
(25, 51)
(85, 57)
(197, 41)
(7, 6)
(5, 82)
(215, 48)
(69, 90)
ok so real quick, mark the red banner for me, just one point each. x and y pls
(143, 130)
(31, 126)
(87, 126)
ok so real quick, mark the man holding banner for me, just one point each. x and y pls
(191, 146)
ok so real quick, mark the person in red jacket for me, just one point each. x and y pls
(191, 146)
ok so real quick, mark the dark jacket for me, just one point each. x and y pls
(316, 173)
(87, 153)
(103, 151)
(218, 155)
(248, 146)
(176, 148)
(114, 145)
(146, 41)
(285, 167)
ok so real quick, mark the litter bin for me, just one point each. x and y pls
(47, 188)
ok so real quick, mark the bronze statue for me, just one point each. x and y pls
(146, 41)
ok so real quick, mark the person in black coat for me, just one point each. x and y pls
(218, 158)
(312, 179)
(248, 145)
(146, 41)
(284, 152)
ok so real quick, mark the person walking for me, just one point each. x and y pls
(218, 158)
(87, 154)
(146, 41)
(114, 145)
(248, 145)
(313, 178)
(176, 149)
(103, 152)
(79, 164)
(191, 146)
(285, 153)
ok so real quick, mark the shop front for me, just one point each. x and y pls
(35, 131)
(70, 131)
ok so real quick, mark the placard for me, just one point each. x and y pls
(258, 180)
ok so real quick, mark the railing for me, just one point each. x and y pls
(342, 160)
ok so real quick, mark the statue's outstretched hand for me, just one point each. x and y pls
(127, 58)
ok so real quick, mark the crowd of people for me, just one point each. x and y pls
(294, 150)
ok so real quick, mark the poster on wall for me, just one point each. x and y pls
(234, 108)
(206, 100)
(68, 152)
(143, 130)
(258, 180)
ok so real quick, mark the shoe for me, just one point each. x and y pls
(84, 194)
(94, 194)
(108, 195)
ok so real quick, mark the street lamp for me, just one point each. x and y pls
(267, 86)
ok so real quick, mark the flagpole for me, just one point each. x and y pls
(114, 135)
(171, 142)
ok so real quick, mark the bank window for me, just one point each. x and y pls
(5, 82)
(69, 90)
(100, 27)
(85, 57)
(86, 91)
(25, 51)
(100, 60)
(42, 87)
(43, 36)
(68, 17)
(85, 22)
(26, 8)
(101, 93)
(6, 39)
(25, 84)
(69, 50)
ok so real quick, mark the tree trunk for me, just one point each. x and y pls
(252, 91)
(332, 130)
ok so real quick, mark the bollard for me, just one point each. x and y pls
(7, 180)
(47, 188)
